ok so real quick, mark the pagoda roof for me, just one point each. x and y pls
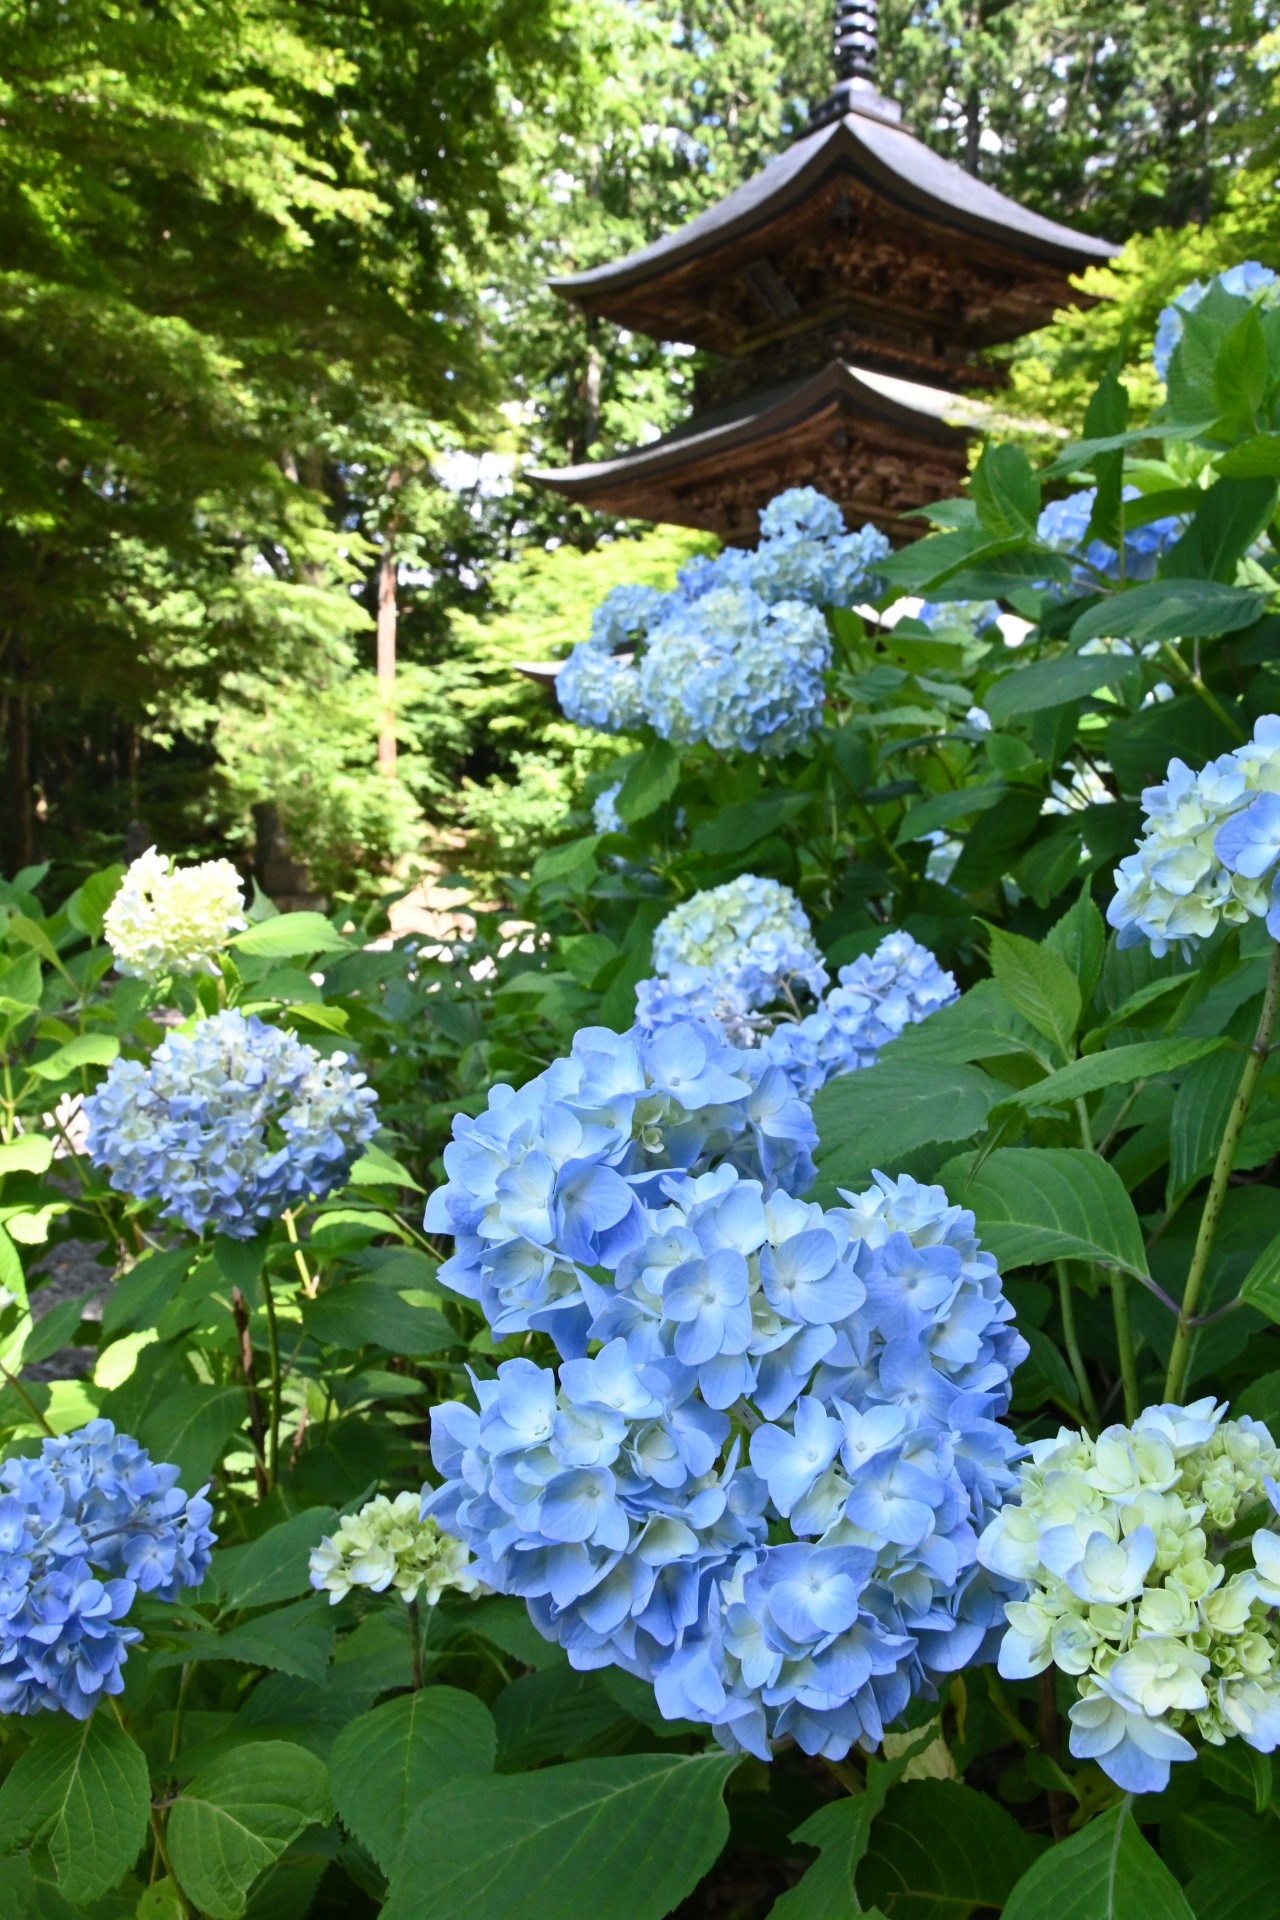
(889, 164)
(714, 471)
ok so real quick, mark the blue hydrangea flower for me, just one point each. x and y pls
(811, 1588)
(229, 1124)
(1063, 525)
(84, 1528)
(736, 673)
(605, 817)
(625, 617)
(553, 1179)
(1249, 280)
(878, 995)
(695, 993)
(1210, 850)
(596, 690)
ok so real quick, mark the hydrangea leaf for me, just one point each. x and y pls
(1053, 683)
(544, 1716)
(621, 1839)
(290, 935)
(876, 1117)
(842, 1832)
(191, 1427)
(237, 1816)
(1243, 1887)
(652, 780)
(80, 1792)
(1108, 1872)
(1034, 1204)
(941, 1851)
(1169, 610)
(385, 1763)
(273, 1567)
(1118, 1066)
(1039, 984)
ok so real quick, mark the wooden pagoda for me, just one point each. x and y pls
(841, 300)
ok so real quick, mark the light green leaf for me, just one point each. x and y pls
(52, 1331)
(1035, 1204)
(1261, 1285)
(87, 907)
(1170, 610)
(1080, 938)
(623, 1839)
(290, 935)
(1005, 490)
(81, 1791)
(940, 1851)
(874, 1118)
(385, 1763)
(237, 1817)
(1201, 1107)
(1107, 1872)
(377, 1168)
(29, 1153)
(1119, 1066)
(274, 1566)
(1039, 985)
(86, 1050)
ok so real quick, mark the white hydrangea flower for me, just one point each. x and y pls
(1122, 1544)
(167, 919)
(387, 1545)
(727, 928)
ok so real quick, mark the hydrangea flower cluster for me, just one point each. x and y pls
(878, 995)
(1064, 523)
(84, 1528)
(165, 919)
(737, 674)
(386, 1545)
(752, 930)
(1248, 281)
(806, 1582)
(1123, 1542)
(1210, 850)
(605, 817)
(735, 655)
(229, 1124)
(554, 1179)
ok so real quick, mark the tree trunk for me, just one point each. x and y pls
(387, 616)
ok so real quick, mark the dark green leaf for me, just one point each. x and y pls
(620, 1839)
(191, 1427)
(1245, 1886)
(940, 809)
(874, 1118)
(81, 1792)
(273, 1567)
(1119, 1066)
(1036, 1204)
(385, 1763)
(744, 825)
(652, 779)
(1261, 1285)
(359, 1313)
(841, 1832)
(1038, 984)
(1169, 610)
(240, 1261)
(1080, 938)
(1255, 458)
(1004, 490)
(138, 1296)
(236, 1818)
(940, 1851)
(1227, 522)
(297, 1639)
(1200, 1112)
(52, 1331)
(1054, 683)
(1107, 1872)
(553, 1715)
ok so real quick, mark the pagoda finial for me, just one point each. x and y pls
(855, 32)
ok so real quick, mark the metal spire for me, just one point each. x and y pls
(855, 36)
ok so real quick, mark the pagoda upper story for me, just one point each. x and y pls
(841, 295)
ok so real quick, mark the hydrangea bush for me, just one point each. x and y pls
(844, 1331)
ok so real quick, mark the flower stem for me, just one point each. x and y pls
(310, 1282)
(12, 1380)
(1124, 1343)
(1071, 1341)
(1250, 1074)
(273, 1349)
(415, 1643)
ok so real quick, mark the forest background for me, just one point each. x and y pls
(275, 345)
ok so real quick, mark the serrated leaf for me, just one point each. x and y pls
(1005, 490)
(875, 1117)
(1036, 1204)
(274, 1566)
(941, 1851)
(295, 1639)
(378, 1168)
(623, 1839)
(385, 1763)
(359, 1313)
(1200, 1111)
(1119, 1066)
(1080, 938)
(1261, 1285)
(237, 1817)
(52, 1331)
(190, 1428)
(86, 1050)
(288, 936)
(87, 907)
(82, 1792)
(1169, 610)
(1108, 1872)
(1042, 684)
(1038, 984)
(651, 779)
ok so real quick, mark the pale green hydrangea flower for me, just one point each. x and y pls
(1153, 1577)
(387, 1545)
(167, 919)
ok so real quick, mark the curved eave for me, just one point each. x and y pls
(887, 159)
(902, 406)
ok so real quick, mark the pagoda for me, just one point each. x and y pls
(841, 299)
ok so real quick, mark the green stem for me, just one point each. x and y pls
(1071, 1342)
(1250, 1074)
(415, 1643)
(273, 1349)
(13, 1381)
(1124, 1342)
(1199, 688)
